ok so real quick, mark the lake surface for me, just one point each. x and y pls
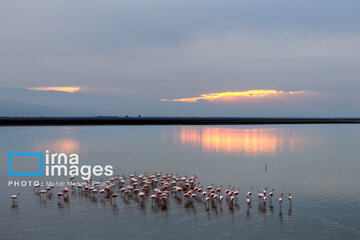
(318, 164)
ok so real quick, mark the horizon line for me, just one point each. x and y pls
(126, 120)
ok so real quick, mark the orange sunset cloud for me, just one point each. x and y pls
(233, 96)
(59, 89)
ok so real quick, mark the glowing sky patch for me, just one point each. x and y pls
(233, 96)
(59, 89)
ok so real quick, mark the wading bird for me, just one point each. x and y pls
(14, 197)
(281, 198)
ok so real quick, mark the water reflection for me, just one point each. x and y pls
(321, 168)
(63, 145)
(257, 141)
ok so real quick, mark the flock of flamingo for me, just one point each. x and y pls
(158, 188)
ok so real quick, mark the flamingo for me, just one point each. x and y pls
(71, 179)
(37, 186)
(42, 193)
(14, 197)
(153, 198)
(66, 191)
(264, 191)
(164, 199)
(271, 193)
(228, 190)
(221, 199)
(264, 200)
(290, 197)
(141, 195)
(290, 200)
(248, 200)
(207, 200)
(102, 192)
(114, 196)
(250, 192)
(237, 192)
(94, 192)
(219, 190)
(232, 198)
(60, 196)
(52, 185)
(192, 196)
(281, 198)
(260, 195)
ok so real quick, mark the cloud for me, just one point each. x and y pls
(132, 50)
(236, 96)
(81, 89)
(58, 89)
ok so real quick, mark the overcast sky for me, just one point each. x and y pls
(160, 49)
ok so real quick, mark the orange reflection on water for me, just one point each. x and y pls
(64, 145)
(232, 140)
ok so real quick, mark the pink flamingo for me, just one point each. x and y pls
(207, 200)
(102, 192)
(227, 191)
(60, 196)
(14, 197)
(52, 185)
(94, 192)
(264, 191)
(248, 200)
(71, 179)
(66, 192)
(164, 198)
(221, 198)
(114, 196)
(281, 198)
(232, 198)
(290, 199)
(260, 195)
(192, 196)
(236, 193)
(127, 193)
(250, 192)
(153, 198)
(37, 186)
(219, 190)
(141, 195)
(42, 193)
(271, 193)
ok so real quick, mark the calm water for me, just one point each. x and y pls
(318, 164)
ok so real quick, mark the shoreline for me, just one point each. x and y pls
(98, 121)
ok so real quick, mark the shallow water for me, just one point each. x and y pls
(318, 164)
